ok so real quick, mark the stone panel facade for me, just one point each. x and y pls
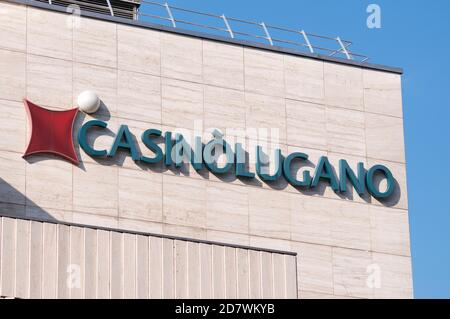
(152, 79)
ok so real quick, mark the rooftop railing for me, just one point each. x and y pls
(234, 28)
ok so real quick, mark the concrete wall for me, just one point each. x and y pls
(152, 79)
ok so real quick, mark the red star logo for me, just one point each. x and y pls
(51, 131)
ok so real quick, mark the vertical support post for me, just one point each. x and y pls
(267, 33)
(110, 8)
(49, 1)
(136, 14)
(169, 12)
(344, 48)
(305, 36)
(228, 26)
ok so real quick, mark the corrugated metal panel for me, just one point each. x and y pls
(49, 262)
(45, 260)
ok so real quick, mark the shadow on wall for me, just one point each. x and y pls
(14, 203)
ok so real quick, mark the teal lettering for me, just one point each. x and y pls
(324, 171)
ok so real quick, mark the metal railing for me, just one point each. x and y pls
(173, 16)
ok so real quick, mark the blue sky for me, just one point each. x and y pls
(414, 35)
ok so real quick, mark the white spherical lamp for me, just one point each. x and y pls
(88, 102)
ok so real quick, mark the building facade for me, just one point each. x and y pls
(114, 225)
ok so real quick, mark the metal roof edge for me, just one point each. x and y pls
(132, 232)
(217, 38)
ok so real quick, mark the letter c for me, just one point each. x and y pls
(82, 139)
